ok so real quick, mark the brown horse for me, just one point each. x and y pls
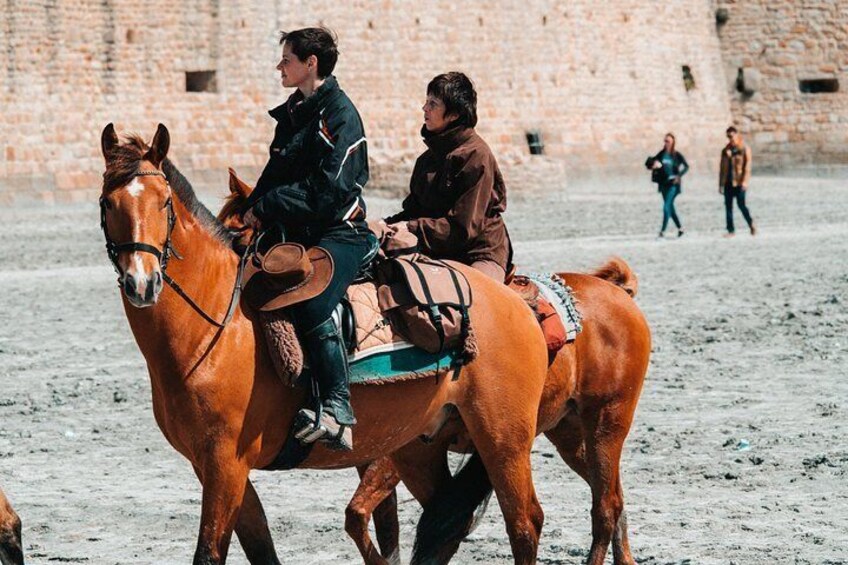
(11, 550)
(586, 412)
(590, 396)
(216, 396)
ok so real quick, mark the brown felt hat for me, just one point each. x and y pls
(286, 274)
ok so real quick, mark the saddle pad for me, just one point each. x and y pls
(371, 328)
(554, 289)
(398, 362)
(381, 354)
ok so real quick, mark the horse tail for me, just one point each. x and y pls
(618, 272)
(452, 513)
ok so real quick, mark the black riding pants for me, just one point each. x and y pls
(348, 253)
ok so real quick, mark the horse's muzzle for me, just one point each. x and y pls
(143, 291)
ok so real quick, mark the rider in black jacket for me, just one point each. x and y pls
(311, 188)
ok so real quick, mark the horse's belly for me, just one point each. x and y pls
(388, 417)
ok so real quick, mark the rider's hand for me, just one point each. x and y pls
(251, 220)
(721, 190)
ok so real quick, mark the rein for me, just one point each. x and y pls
(114, 249)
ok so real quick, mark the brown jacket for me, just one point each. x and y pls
(735, 167)
(456, 198)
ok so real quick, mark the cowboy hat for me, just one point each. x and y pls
(286, 274)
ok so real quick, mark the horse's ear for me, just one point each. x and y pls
(108, 140)
(159, 146)
(237, 186)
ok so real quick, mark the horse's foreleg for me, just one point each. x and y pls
(252, 530)
(376, 491)
(224, 480)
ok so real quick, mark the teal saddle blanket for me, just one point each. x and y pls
(398, 362)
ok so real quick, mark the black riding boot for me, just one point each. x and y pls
(328, 361)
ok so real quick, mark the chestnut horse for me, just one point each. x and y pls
(11, 550)
(216, 396)
(587, 407)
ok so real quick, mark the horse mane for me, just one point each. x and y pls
(233, 204)
(123, 165)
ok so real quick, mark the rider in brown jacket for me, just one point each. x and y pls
(457, 193)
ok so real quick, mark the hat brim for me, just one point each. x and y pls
(266, 299)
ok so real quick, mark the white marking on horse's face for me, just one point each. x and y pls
(142, 280)
(135, 187)
(139, 266)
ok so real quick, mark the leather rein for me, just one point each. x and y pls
(114, 249)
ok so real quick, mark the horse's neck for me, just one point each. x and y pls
(173, 336)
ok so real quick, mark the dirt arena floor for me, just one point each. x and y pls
(739, 451)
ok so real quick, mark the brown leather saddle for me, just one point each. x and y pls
(546, 314)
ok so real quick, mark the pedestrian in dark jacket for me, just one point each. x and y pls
(734, 177)
(668, 166)
(457, 194)
(311, 188)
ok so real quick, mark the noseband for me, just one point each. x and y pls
(114, 249)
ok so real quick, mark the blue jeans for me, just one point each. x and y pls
(669, 193)
(731, 192)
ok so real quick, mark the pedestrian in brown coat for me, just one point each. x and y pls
(734, 178)
(457, 194)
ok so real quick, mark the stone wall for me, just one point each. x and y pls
(602, 82)
(771, 46)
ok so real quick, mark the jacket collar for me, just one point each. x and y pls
(299, 110)
(740, 147)
(448, 140)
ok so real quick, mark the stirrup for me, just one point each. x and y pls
(336, 436)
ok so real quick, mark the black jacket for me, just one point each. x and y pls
(681, 167)
(318, 164)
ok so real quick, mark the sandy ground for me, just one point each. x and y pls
(738, 453)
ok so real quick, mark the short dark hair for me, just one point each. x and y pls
(318, 41)
(732, 129)
(457, 92)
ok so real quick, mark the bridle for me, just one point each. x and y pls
(114, 249)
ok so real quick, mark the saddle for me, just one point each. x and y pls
(409, 301)
(553, 304)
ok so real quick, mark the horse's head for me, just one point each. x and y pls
(137, 213)
(232, 213)
(11, 551)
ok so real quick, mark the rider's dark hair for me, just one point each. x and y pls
(732, 129)
(318, 41)
(457, 93)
